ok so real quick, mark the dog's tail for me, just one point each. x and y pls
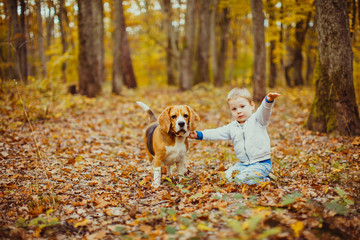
(147, 109)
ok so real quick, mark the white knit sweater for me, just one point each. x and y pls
(251, 140)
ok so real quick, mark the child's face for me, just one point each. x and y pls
(241, 109)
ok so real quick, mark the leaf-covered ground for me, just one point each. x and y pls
(80, 171)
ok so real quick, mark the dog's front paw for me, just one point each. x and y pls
(157, 177)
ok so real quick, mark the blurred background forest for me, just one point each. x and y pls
(158, 36)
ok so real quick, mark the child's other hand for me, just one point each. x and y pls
(193, 135)
(271, 96)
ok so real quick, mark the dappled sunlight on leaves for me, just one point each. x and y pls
(88, 174)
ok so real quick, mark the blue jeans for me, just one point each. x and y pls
(250, 174)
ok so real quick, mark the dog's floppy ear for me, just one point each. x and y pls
(164, 120)
(194, 119)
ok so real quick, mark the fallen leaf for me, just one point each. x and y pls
(204, 227)
(71, 161)
(297, 228)
(82, 223)
(146, 228)
(97, 235)
(356, 141)
(4, 154)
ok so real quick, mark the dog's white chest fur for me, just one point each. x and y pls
(176, 153)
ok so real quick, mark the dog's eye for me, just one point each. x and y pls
(173, 116)
(185, 115)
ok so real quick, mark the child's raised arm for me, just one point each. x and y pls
(264, 111)
(271, 96)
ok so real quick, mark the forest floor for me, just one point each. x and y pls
(80, 171)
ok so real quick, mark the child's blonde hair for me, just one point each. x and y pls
(239, 92)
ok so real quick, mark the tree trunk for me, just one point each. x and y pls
(259, 50)
(69, 37)
(23, 45)
(272, 65)
(61, 16)
(19, 38)
(213, 49)
(309, 69)
(202, 73)
(296, 78)
(126, 63)
(30, 51)
(90, 76)
(12, 71)
(40, 39)
(298, 59)
(297, 67)
(187, 72)
(117, 76)
(98, 13)
(49, 24)
(235, 36)
(222, 55)
(281, 40)
(334, 107)
(310, 51)
(171, 51)
(289, 53)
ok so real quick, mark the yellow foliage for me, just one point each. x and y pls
(82, 223)
(297, 228)
(204, 227)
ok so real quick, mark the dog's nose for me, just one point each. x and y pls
(181, 124)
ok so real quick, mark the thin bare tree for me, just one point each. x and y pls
(187, 71)
(125, 54)
(259, 50)
(18, 38)
(40, 39)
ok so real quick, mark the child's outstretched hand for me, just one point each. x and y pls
(193, 135)
(271, 96)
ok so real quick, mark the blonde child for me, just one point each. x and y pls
(248, 134)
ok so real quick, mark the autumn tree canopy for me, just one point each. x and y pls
(159, 37)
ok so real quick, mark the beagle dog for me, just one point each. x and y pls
(166, 138)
